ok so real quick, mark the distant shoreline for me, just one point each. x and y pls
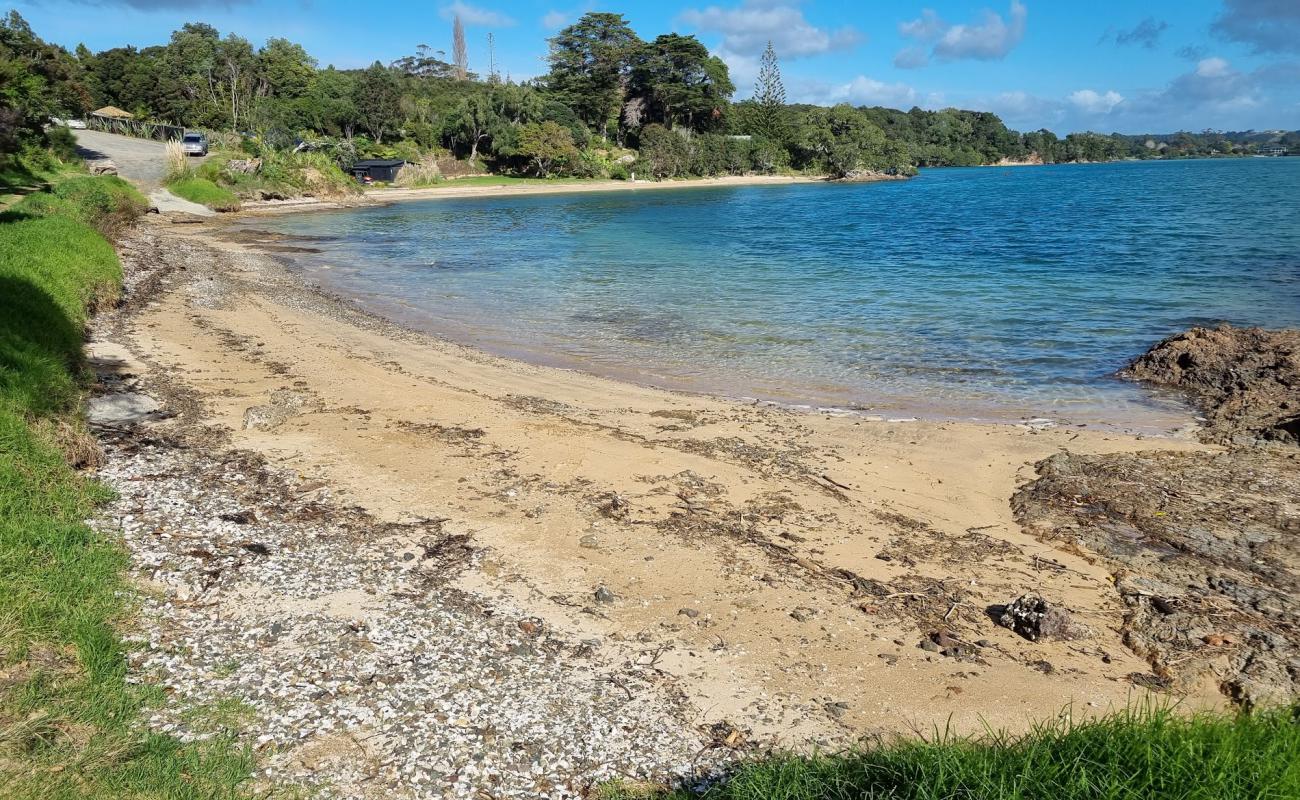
(451, 190)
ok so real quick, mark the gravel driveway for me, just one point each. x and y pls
(141, 161)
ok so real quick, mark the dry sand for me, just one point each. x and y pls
(779, 567)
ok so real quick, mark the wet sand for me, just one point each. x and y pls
(779, 567)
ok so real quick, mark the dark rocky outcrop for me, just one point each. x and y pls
(1246, 380)
(1205, 552)
(1204, 546)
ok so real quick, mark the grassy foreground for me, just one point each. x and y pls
(70, 724)
(1146, 754)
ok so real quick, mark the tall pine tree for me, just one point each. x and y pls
(769, 93)
(459, 53)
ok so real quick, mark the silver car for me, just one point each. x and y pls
(194, 144)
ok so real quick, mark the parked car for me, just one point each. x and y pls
(194, 144)
(71, 123)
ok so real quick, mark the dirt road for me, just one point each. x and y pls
(142, 162)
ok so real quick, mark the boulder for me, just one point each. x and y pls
(1246, 380)
(1034, 618)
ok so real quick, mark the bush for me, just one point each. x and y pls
(663, 153)
(105, 202)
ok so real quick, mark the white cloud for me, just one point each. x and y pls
(554, 20)
(1093, 102)
(475, 16)
(989, 39)
(1214, 67)
(746, 29)
(864, 91)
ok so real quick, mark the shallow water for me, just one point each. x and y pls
(987, 293)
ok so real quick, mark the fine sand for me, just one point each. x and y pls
(779, 568)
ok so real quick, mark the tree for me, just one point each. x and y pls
(842, 141)
(589, 63)
(769, 94)
(459, 53)
(285, 68)
(473, 122)
(378, 99)
(37, 81)
(546, 145)
(680, 83)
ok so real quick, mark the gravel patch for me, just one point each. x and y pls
(360, 668)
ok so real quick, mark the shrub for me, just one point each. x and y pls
(664, 153)
(105, 202)
(178, 163)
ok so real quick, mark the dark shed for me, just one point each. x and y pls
(378, 169)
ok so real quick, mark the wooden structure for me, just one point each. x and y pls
(378, 170)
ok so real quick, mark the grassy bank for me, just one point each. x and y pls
(205, 193)
(70, 724)
(1148, 754)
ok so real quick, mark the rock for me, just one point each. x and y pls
(121, 408)
(1032, 617)
(1245, 379)
(837, 709)
(244, 166)
(604, 596)
(185, 218)
(101, 166)
(803, 613)
(927, 644)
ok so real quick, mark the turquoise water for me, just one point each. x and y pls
(986, 293)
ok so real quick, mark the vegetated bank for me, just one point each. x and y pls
(1141, 754)
(71, 723)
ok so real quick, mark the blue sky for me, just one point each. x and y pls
(1101, 64)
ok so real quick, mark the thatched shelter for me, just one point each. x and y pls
(113, 112)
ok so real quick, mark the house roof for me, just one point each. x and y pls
(114, 111)
(379, 162)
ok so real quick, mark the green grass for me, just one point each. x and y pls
(70, 724)
(1146, 754)
(206, 193)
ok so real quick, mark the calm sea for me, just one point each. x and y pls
(994, 293)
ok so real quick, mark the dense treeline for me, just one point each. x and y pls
(611, 104)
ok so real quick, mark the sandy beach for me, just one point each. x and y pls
(736, 537)
(451, 190)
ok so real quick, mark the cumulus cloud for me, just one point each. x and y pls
(864, 91)
(1268, 26)
(475, 15)
(1146, 33)
(1090, 101)
(747, 28)
(989, 39)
